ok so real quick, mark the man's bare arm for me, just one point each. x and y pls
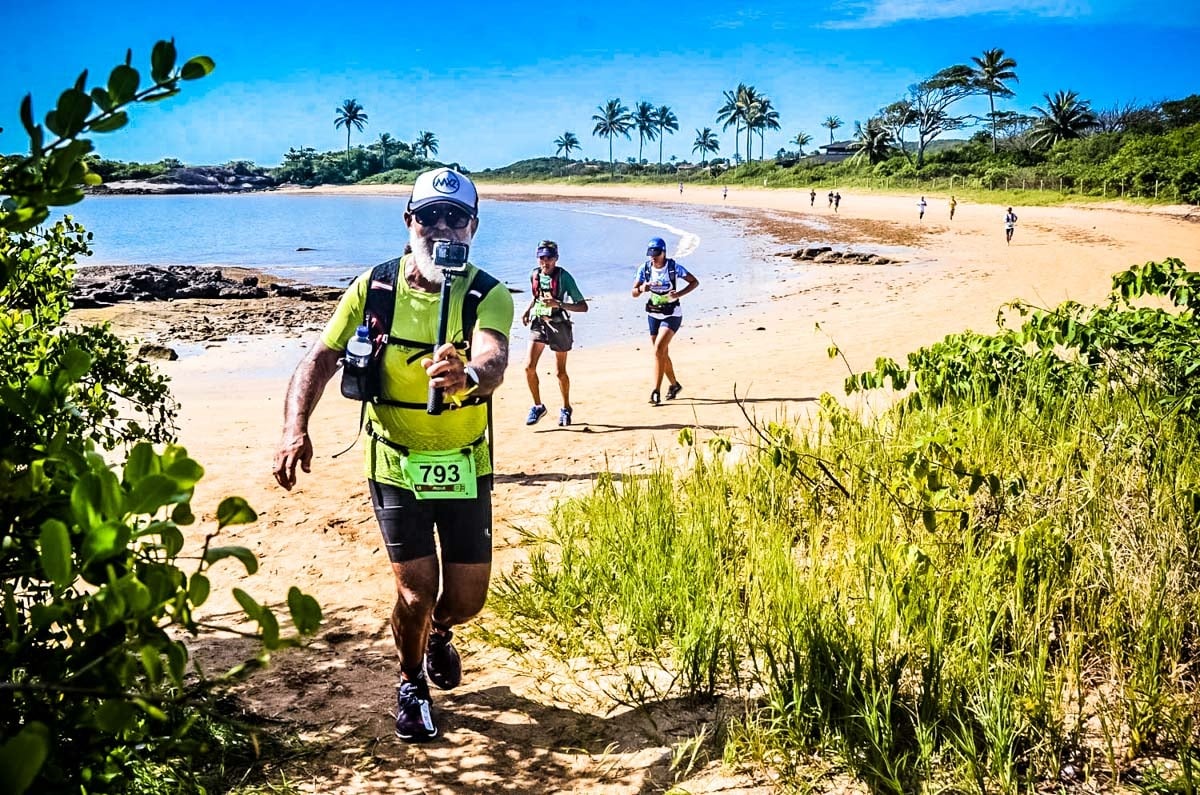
(303, 393)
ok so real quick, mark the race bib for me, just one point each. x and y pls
(442, 475)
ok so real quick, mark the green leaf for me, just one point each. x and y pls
(113, 122)
(151, 493)
(71, 113)
(234, 510)
(160, 96)
(102, 100)
(241, 553)
(104, 541)
(27, 114)
(182, 514)
(197, 68)
(152, 663)
(185, 471)
(198, 589)
(22, 757)
(270, 628)
(253, 609)
(162, 61)
(114, 716)
(54, 549)
(141, 462)
(306, 612)
(123, 84)
(177, 657)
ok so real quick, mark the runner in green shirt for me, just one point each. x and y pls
(411, 454)
(554, 295)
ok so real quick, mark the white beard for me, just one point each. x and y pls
(422, 256)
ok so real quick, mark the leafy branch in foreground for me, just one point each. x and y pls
(55, 173)
(97, 678)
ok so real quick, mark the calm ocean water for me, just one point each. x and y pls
(602, 244)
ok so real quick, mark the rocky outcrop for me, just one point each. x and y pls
(827, 254)
(191, 179)
(100, 287)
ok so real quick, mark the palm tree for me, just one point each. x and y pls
(832, 122)
(768, 119)
(801, 140)
(990, 73)
(667, 123)
(1065, 116)
(426, 144)
(751, 106)
(566, 143)
(730, 113)
(647, 124)
(613, 119)
(873, 140)
(385, 147)
(350, 114)
(706, 142)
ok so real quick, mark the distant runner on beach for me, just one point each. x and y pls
(812, 197)
(921, 208)
(1010, 223)
(554, 294)
(953, 206)
(658, 277)
(429, 475)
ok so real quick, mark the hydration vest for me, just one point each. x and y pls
(377, 317)
(644, 276)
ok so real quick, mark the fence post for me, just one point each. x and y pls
(1156, 189)
(1006, 183)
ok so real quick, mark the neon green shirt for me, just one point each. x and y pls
(416, 318)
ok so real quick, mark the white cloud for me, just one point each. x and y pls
(882, 13)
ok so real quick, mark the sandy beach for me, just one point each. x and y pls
(524, 725)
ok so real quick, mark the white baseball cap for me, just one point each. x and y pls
(444, 185)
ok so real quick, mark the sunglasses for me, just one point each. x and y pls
(654, 252)
(455, 217)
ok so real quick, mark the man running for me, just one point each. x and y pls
(425, 473)
(1010, 223)
(554, 295)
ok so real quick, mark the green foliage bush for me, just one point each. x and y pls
(95, 598)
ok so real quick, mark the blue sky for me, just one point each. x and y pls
(497, 83)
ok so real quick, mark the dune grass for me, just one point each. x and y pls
(998, 592)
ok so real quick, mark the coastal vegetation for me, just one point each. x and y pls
(100, 588)
(993, 586)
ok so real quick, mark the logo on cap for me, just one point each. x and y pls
(446, 183)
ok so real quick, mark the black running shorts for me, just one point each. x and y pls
(464, 527)
(555, 332)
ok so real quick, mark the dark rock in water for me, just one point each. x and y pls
(305, 248)
(105, 286)
(149, 351)
(827, 255)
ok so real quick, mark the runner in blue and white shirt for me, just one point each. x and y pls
(658, 278)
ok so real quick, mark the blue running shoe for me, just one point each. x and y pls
(564, 417)
(414, 711)
(535, 414)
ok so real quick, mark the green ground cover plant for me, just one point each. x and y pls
(993, 586)
(99, 590)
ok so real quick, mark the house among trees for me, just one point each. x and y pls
(835, 152)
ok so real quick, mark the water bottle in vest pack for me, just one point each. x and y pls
(355, 364)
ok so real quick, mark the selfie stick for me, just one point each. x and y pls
(434, 404)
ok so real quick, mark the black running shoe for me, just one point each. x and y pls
(443, 666)
(673, 391)
(654, 398)
(414, 712)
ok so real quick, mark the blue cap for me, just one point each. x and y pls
(656, 242)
